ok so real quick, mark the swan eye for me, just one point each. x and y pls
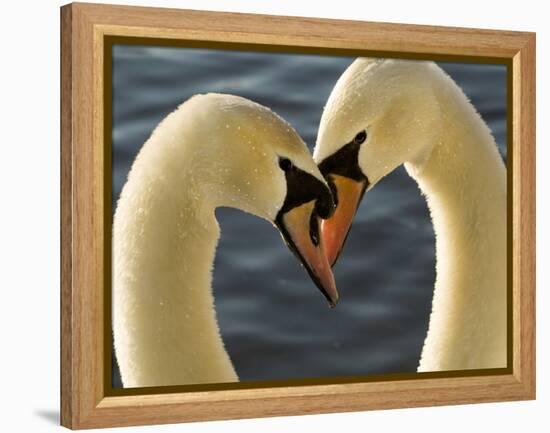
(360, 137)
(285, 164)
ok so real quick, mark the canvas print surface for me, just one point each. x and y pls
(305, 217)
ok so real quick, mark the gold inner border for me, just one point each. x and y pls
(109, 41)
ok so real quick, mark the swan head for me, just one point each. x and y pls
(381, 114)
(247, 157)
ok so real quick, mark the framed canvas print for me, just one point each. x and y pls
(267, 216)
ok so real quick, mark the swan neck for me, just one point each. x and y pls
(164, 321)
(464, 181)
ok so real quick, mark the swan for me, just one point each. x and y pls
(383, 113)
(214, 150)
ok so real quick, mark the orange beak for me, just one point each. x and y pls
(334, 231)
(300, 230)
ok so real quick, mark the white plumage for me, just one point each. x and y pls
(214, 150)
(416, 115)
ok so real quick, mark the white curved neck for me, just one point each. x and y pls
(165, 329)
(464, 181)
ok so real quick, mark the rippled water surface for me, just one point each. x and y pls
(275, 323)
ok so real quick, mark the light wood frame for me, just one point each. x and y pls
(84, 400)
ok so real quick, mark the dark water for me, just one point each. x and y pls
(275, 323)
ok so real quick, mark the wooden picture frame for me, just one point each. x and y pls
(86, 30)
